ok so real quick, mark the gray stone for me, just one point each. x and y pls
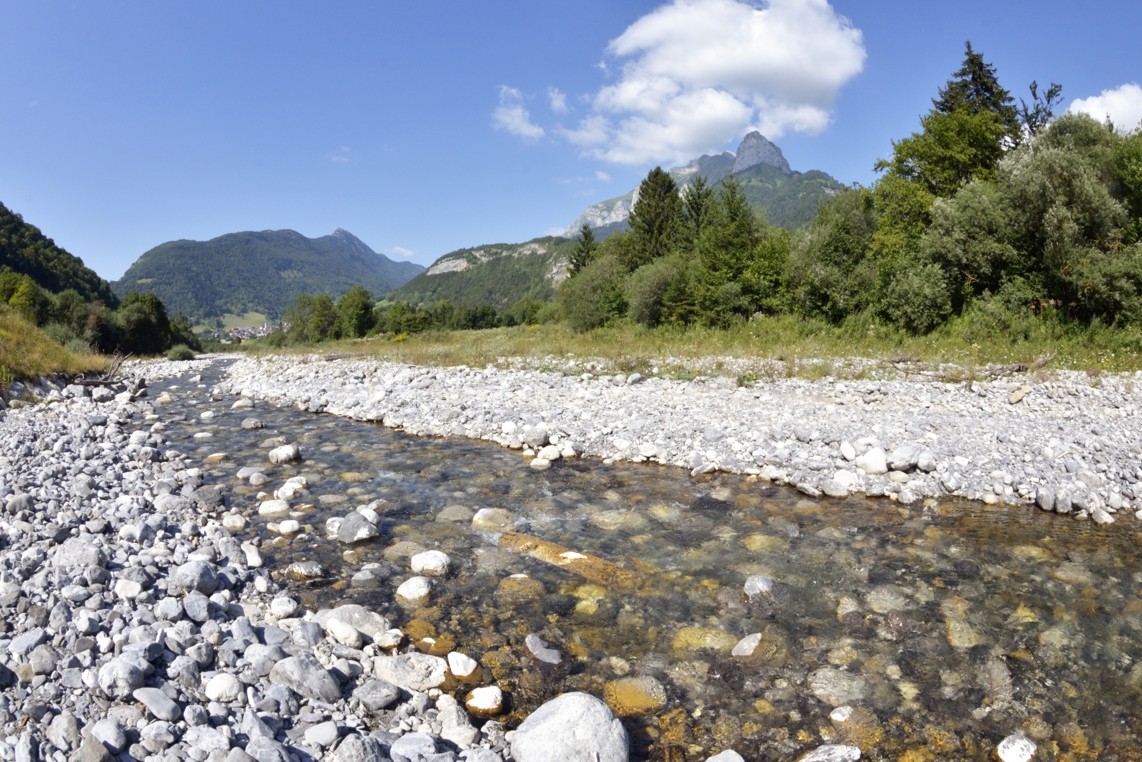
(413, 747)
(197, 606)
(111, 734)
(376, 695)
(287, 453)
(120, 677)
(414, 671)
(904, 457)
(729, 755)
(356, 528)
(832, 753)
(304, 675)
(195, 575)
(367, 622)
(265, 749)
(322, 735)
(836, 687)
(569, 728)
(158, 703)
(356, 748)
(873, 461)
(541, 650)
(63, 731)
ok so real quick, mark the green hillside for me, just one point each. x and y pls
(788, 199)
(260, 272)
(24, 249)
(497, 274)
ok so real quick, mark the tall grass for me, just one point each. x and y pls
(26, 352)
(802, 347)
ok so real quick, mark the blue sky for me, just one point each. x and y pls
(430, 126)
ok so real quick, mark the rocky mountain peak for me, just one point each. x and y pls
(756, 149)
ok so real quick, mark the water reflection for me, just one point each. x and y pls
(944, 627)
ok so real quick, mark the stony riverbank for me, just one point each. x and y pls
(134, 625)
(1064, 441)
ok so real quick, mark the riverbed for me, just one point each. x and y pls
(748, 609)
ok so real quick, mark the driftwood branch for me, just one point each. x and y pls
(108, 377)
(986, 374)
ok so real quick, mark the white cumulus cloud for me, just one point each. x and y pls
(512, 117)
(558, 100)
(1122, 105)
(693, 75)
(399, 252)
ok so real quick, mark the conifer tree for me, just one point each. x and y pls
(655, 220)
(584, 250)
(975, 87)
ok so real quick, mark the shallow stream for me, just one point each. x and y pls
(946, 626)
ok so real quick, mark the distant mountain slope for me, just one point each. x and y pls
(259, 272)
(787, 198)
(502, 274)
(24, 249)
(497, 274)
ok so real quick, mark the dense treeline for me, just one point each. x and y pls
(55, 291)
(24, 249)
(991, 212)
(139, 325)
(315, 318)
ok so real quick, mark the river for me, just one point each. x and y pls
(943, 626)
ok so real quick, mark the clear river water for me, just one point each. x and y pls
(945, 627)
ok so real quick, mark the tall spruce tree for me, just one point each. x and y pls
(697, 208)
(655, 220)
(584, 251)
(975, 87)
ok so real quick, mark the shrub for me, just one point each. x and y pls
(646, 290)
(917, 299)
(180, 352)
(595, 296)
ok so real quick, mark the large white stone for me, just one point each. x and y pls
(461, 665)
(874, 461)
(223, 688)
(434, 563)
(415, 590)
(568, 728)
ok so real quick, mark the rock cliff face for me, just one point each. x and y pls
(603, 213)
(756, 149)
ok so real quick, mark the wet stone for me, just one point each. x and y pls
(837, 687)
(633, 696)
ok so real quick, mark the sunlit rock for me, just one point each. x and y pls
(634, 696)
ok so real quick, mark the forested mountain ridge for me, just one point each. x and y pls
(499, 274)
(26, 250)
(787, 198)
(502, 274)
(259, 271)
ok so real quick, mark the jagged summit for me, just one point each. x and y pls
(756, 149)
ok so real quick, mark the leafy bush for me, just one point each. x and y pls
(180, 352)
(596, 295)
(646, 290)
(917, 300)
(62, 334)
